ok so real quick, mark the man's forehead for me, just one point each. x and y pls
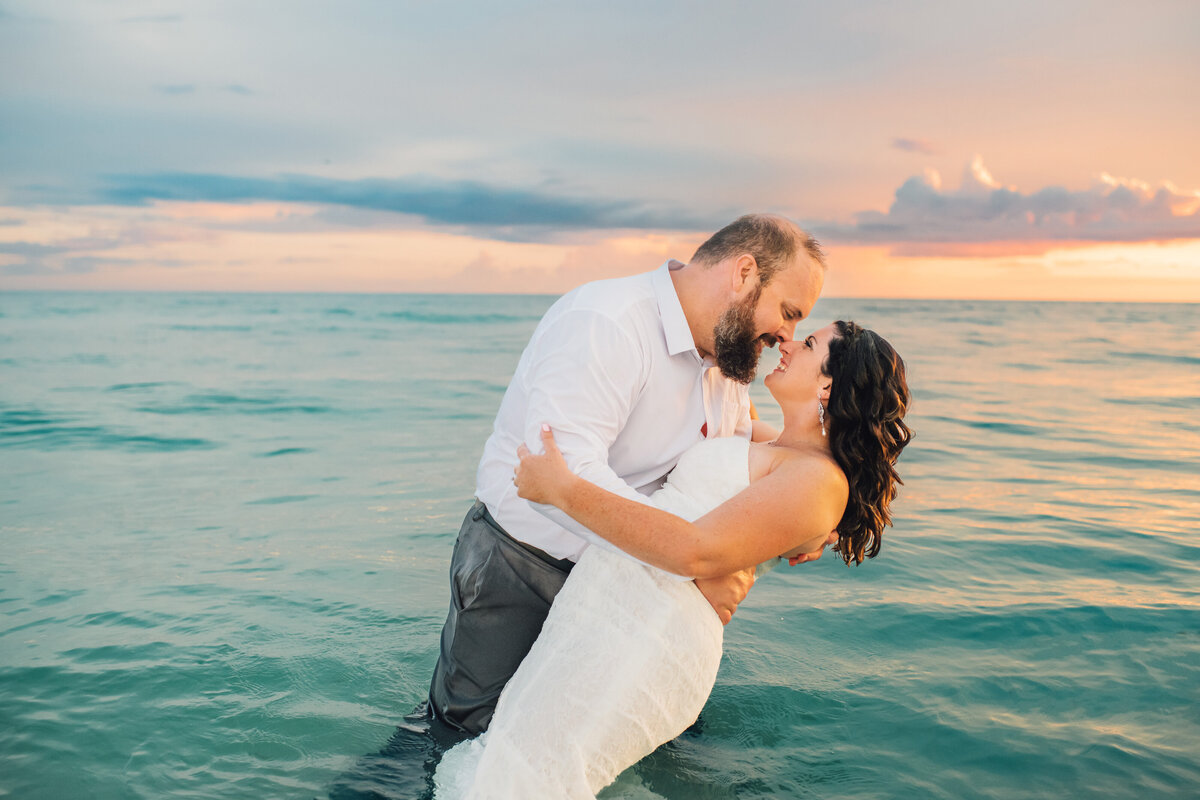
(800, 285)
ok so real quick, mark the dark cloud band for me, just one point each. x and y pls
(447, 203)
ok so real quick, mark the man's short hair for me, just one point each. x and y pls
(773, 241)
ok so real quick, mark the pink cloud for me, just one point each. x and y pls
(923, 146)
(982, 209)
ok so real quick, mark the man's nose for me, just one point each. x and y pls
(785, 331)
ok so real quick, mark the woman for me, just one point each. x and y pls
(629, 652)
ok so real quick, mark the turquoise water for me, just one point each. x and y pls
(225, 524)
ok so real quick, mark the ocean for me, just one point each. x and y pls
(226, 523)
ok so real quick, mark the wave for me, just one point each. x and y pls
(65, 311)
(124, 387)
(1162, 402)
(1012, 623)
(286, 451)
(91, 359)
(284, 498)
(997, 426)
(213, 328)
(1160, 358)
(30, 428)
(1084, 461)
(215, 403)
(436, 318)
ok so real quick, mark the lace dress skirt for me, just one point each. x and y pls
(625, 663)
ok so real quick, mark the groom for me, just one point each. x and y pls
(629, 373)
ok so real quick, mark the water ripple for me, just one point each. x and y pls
(215, 403)
(31, 428)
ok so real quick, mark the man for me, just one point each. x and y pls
(629, 373)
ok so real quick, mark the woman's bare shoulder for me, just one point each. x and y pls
(813, 466)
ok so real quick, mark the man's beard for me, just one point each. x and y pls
(737, 348)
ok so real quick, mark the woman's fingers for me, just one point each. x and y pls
(804, 558)
(548, 443)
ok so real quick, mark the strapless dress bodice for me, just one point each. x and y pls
(709, 473)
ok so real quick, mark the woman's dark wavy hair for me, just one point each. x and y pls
(865, 417)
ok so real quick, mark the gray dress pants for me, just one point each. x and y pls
(500, 593)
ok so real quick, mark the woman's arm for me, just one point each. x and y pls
(794, 506)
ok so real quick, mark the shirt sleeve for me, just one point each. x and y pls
(584, 381)
(744, 427)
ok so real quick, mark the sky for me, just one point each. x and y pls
(1000, 150)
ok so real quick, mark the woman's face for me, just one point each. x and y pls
(798, 378)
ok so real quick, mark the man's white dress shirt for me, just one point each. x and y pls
(613, 369)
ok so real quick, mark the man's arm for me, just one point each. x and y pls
(726, 593)
(585, 383)
(763, 432)
(760, 431)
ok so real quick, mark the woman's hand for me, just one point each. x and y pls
(804, 558)
(543, 478)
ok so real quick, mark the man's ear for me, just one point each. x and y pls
(744, 273)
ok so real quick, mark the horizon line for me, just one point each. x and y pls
(316, 292)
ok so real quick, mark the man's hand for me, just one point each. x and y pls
(724, 594)
(804, 558)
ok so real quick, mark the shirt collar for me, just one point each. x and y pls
(674, 322)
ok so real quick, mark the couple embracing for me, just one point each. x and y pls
(588, 596)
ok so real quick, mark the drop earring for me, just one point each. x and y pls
(821, 416)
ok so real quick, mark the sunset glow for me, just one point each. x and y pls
(132, 160)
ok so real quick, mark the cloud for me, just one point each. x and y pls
(566, 266)
(481, 207)
(82, 265)
(75, 265)
(983, 210)
(31, 249)
(922, 146)
(177, 88)
(237, 88)
(73, 254)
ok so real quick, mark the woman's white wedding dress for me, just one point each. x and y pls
(624, 663)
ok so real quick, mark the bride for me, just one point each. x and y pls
(629, 652)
